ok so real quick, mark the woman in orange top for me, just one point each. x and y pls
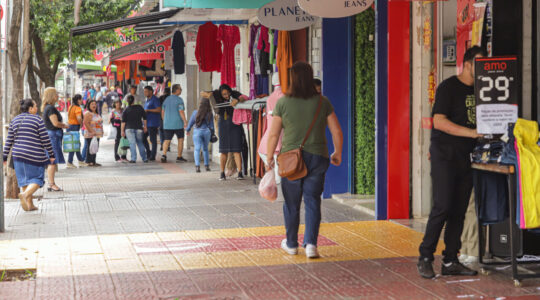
(75, 119)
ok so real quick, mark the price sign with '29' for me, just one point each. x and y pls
(496, 90)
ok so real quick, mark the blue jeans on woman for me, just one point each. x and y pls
(80, 158)
(56, 137)
(201, 139)
(311, 188)
(135, 138)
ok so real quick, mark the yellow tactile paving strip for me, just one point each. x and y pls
(88, 255)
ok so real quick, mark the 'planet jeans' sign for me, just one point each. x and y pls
(284, 15)
(334, 8)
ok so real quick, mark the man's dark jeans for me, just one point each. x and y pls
(152, 134)
(452, 186)
(311, 188)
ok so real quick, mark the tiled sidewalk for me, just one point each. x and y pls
(161, 231)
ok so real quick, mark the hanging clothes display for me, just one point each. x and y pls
(528, 152)
(208, 48)
(178, 51)
(251, 54)
(272, 39)
(284, 59)
(257, 52)
(229, 36)
(263, 46)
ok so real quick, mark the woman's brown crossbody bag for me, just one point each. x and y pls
(291, 164)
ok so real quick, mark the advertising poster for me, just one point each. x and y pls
(465, 18)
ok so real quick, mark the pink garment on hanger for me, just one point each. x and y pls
(229, 37)
(263, 40)
(241, 116)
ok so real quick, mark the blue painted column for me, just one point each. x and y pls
(338, 64)
(381, 109)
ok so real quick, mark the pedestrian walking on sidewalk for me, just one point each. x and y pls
(202, 122)
(134, 128)
(93, 124)
(31, 151)
(174, 122)
(116, 122)
(452, 141)
(152, 106)
(162, 98)
(230, 134)
(75, 120)
(54, 125)
(303, 114)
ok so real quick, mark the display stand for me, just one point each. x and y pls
(510, 173)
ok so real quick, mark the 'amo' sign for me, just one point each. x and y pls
(284, 15)
(335, 8)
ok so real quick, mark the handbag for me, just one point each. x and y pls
(11, 165)
(213, 137)
(291, 164)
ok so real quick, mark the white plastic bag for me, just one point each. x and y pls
(94, 146)
(112, 133)
(267, 187)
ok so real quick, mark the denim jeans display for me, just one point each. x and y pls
(311, 188)
(71, 154)
(201, 139)
(135, 138)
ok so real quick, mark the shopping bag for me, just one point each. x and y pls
(112, 133)
(121, 152)
(71, 141)
(268, 187)
(124, 143)
(94, 146)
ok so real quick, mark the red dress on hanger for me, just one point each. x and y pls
(229, 37)
(208, 48)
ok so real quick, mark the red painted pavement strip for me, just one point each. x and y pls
(218, 245)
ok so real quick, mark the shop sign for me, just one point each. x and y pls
(496, 92)
(335, 8)
(152, 53)
(284, 15)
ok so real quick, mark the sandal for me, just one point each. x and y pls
(52, 189)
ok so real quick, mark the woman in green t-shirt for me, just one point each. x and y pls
(294, 114)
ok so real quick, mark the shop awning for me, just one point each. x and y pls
(254, 4)
(123, 22)
(90, 65)
(216, 16)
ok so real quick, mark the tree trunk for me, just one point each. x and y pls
(32, 84)
(45, 72)
(18, 68)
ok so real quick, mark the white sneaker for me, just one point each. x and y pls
(311, 251)
(291, 251)
(463, 258)
(82, 164)
(70, 166)
(471, 260)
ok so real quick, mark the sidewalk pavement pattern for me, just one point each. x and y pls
(161, 231)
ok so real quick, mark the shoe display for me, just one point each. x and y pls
(71, 166)
(457, 269)
(291, 251)
(240, 176)
(311, 251)
(222, 177)
(425, 268)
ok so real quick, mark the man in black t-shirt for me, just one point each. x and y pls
(452, 140)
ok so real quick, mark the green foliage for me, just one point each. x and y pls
(53, 19)
(365, 102)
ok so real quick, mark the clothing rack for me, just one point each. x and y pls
(251, 105)
(513, 241)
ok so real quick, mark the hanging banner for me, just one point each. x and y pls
(496, 92)
(284, 15)
(334, 8)
(470, 24)
(155, 52)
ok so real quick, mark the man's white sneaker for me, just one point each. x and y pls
(471, 260)
(463, 257)
(70, 166)
(291, 251)
(311, 251)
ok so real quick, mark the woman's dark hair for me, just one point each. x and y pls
(115, 102)
(130, 100)
(301, 83)
(317, 82)
(75, 99)
(204, 113)
(26, 104)
(225, 87)
(88, 106)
